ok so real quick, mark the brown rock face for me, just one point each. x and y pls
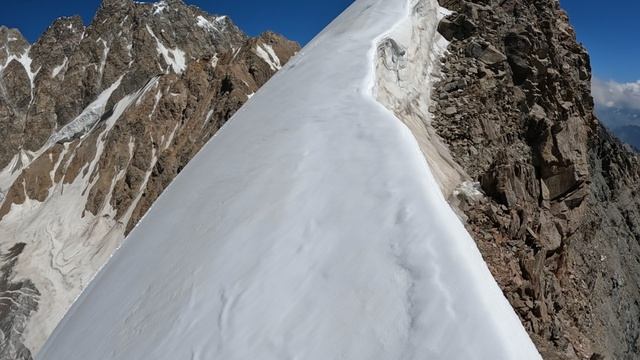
(560, 223)
(95, 123)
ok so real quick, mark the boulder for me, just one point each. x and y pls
(457, 26)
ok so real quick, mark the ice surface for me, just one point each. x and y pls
(310, 227)
(12, 171)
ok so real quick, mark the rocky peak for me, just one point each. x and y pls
(113, 5)
(11, 36)
(129, 40)
(12, 44)
(52, 51)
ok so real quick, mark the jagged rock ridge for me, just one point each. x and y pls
(559, 221)
(94, 123)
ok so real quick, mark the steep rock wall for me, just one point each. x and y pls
(559, 219)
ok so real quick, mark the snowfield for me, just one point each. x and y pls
(309, 228)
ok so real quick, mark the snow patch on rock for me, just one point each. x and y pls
(56, 70)
(266, 53)
(12, 171)
(208, 25)
(470, 190)
(25, 60)
(175, 58)
(105, 53)
(159, 7)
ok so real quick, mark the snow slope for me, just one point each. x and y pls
(309, 228)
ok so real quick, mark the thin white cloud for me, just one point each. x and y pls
(613, 94)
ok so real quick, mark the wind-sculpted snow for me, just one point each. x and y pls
(310, 227)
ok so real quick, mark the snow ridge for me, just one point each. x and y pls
(89, 117)
(309, 228)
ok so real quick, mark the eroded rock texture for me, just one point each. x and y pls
(95, 122)
(560, 222)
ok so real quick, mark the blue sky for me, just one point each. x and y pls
(610, 31)
(299, 20)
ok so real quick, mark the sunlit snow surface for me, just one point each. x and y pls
(309, 228)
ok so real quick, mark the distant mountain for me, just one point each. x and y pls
(630, 134)
(623, 122)
(95, 122)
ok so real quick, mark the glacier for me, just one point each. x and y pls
(310, 227)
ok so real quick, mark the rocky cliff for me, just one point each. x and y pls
(94, 123)
(554, 205)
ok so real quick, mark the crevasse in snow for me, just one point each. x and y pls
(309, 228)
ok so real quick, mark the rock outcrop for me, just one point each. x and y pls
(559, 221)
(95, 122)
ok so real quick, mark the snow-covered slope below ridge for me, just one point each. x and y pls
(310, 227)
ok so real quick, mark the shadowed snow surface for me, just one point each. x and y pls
(309, 228)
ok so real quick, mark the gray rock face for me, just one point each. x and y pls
(457, 27)
(561, 215)
(14, 91)
(95, 123)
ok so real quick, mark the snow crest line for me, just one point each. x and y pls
(415, 8)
